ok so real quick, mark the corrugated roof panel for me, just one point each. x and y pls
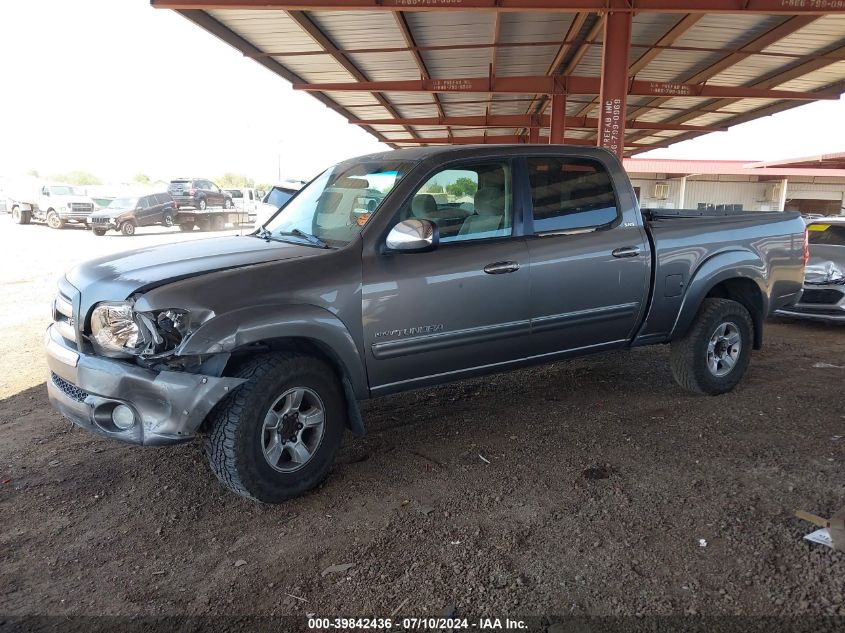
(826, 31)
(352, 98)
(318, 68)
(534, 60)
(674, 65)
(750, 68)
(834, 73)
(728, 31)
(742, 106)
(385, 66)
(359, 29)
(271, 31)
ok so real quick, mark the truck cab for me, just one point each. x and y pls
(55, 204)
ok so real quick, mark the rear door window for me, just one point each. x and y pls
(570, 194)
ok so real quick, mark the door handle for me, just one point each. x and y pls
(626, 251)
(501, 268)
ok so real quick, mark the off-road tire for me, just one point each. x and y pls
(234, 428)
(99, 232)
(186, 227)
(20, 216)
(689, 353)
(128, 228)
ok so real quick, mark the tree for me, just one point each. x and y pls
(462, 187)
(234, 181)
(142, 179)
(77, 178)
(433, 188)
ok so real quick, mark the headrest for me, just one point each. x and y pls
(490, 201)
(423, 205)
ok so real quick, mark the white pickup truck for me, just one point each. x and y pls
(54, 204)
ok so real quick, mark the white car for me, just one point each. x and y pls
(275, 199)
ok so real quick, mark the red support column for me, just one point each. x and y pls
(614, 82)
(557, 128)
(534, 135)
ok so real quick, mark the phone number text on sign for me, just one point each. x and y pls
(611, 125)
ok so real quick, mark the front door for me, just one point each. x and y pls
(429, 317)
(590, 262)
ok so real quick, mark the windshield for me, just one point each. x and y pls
(123, 203)
(831, 234)
(64, 190)
(335, 206)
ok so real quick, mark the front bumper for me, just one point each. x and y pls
(169, 406)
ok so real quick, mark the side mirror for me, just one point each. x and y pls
(413, 236)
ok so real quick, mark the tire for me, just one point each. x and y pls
(204, 224)
(186, 227)
(237, 442)
(218, 223)
(128, 228)
(54, 221)
(227, 204)
(202, 204)
(20, 216)
(705, 360)
(167, 220)
(99, 232)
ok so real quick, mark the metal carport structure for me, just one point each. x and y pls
(628, 75)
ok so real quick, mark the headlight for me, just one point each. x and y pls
(116, 329)
(113, 328)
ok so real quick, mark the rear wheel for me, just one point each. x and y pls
(186, 227)
(218, 223)
(276, 435)
(712, 357)
(204, 224)
(53, 220)
(99, 232)
(167, 220)
(228, 204)
(128, 228)
(20, 216)
(202, 204)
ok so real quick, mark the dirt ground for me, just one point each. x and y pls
(590, 487)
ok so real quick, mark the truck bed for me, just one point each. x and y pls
(686, 243)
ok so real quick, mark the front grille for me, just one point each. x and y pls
(81, 207)
(70, 390)
(99, 220)
(826, 296)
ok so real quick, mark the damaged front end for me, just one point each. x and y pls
(122, 377)
(823, 298)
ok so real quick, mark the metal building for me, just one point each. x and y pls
(629, 75)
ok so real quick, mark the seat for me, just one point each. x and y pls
(424, 206)
(489, 213)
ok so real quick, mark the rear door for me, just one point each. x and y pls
(590, 266)
(146, 206)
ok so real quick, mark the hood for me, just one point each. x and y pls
(116, 277)
(69, 199)
(107, 212)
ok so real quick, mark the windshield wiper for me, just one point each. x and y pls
(311, 239)
(263, 233)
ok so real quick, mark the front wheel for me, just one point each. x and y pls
(54, 221)
(20, 216)
(128, 228)
(202, 204)
(218, 223)
(204, 224)
(99, 232)
(711, 358)
(228, 204)
(167, 220)
(276, 435)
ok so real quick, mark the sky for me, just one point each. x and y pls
(117, 88)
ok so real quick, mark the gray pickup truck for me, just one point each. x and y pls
(476, 260)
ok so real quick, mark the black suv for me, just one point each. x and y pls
(199, 194)
(127, 214)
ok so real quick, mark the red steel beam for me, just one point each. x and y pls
(509, 139)
(786, 7)
(613, 100)
(560, 85)
(528, 121)
(557, 125)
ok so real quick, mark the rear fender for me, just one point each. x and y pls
(735, 264)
